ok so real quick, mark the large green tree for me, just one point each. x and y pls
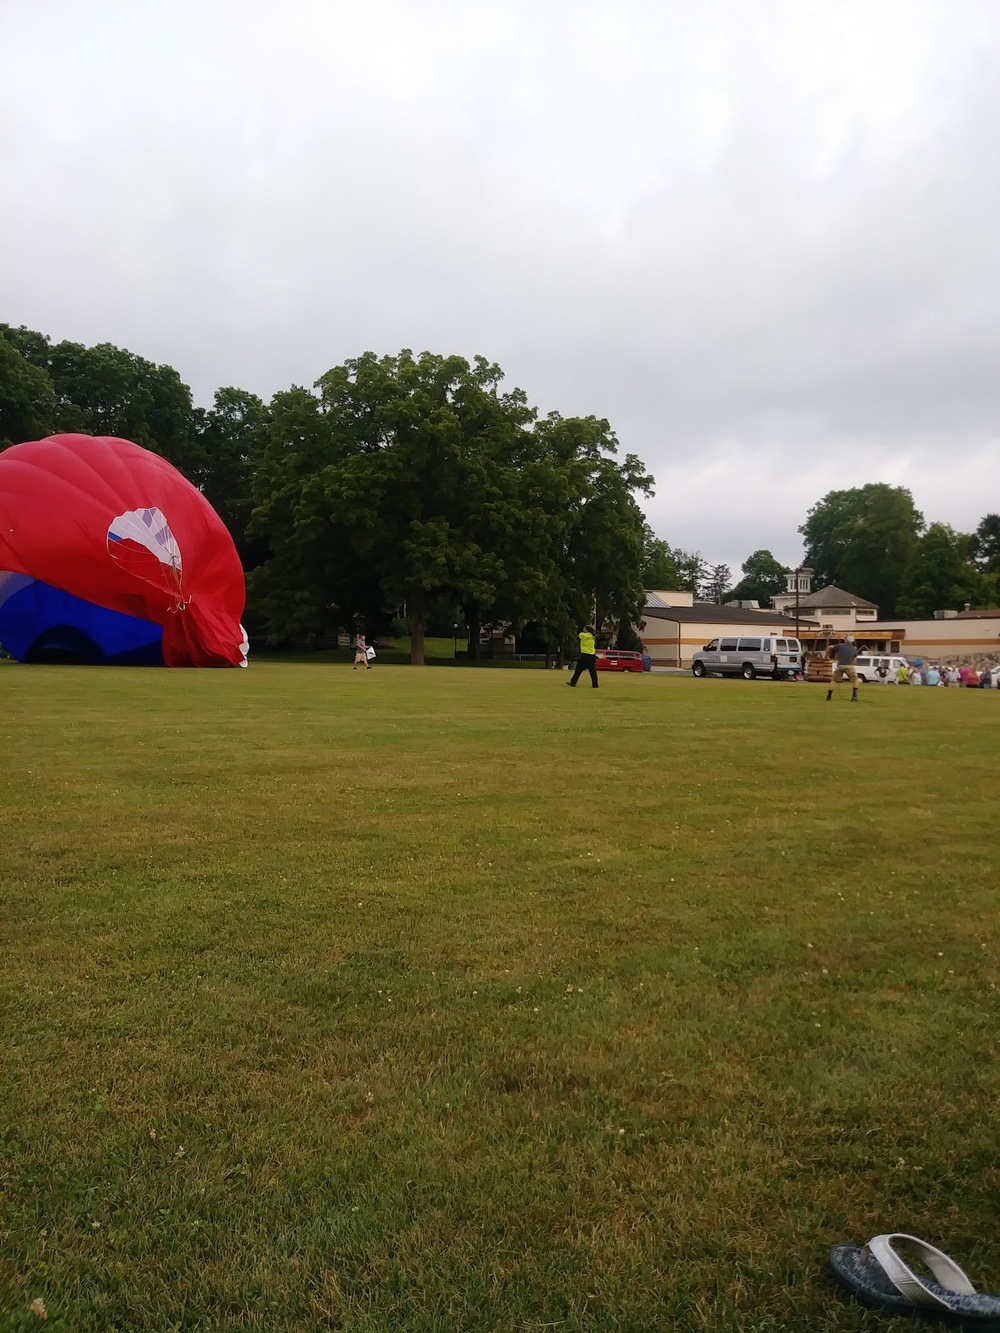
(942, 575)
(418, 482)
(600, 527)
(305, 583)
(984, 551)
(232, 436)
(119, 393)
(763, 576)
(671, 568)
(984, 545)
(864, 540)
(659, 567)
(391, 485)
(27, 399)
(106, 390)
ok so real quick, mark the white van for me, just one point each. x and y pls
(749, 655)
(879, 667)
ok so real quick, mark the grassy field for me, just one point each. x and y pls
(447, 1000)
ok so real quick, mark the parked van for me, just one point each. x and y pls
(870, 668)
(749, 656)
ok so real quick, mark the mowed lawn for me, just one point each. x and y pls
(440, 999)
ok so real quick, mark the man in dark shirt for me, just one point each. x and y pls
(843, 656)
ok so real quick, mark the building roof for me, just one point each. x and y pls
(829, 597)
(709, 613)
(991, 613)
(654, 597)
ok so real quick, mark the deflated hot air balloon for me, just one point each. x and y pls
(108, 555)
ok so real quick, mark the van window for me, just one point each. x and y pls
(781, 645)
(727, 646)
(749, 646)
(863, 661)
(712, 647)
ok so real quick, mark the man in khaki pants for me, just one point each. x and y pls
(361, 654)
(843, 656)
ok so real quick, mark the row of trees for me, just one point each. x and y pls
(420, 482)
(400, 483)
(666, 566)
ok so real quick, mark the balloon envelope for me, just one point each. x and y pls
(109, 555)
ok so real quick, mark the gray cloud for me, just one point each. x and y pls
(760, 239)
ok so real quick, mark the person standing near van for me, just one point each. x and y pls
(587, 661)
(843, 656)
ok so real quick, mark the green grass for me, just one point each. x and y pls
(439, 1001)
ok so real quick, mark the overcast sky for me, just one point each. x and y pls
(760, 237)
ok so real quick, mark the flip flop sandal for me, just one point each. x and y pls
(880, 1279)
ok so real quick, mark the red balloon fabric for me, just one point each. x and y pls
(115, 525)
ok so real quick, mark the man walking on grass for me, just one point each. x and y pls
(361, 654)
(587, 661)
(843, 656)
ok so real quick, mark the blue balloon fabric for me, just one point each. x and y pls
(78, 631)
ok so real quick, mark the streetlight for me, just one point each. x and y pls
(454, 631)
(799, 573)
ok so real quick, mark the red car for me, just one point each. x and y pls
(610, 659)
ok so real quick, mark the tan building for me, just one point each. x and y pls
(948, 636)
(675, 625)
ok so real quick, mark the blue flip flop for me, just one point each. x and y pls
(881, 1279)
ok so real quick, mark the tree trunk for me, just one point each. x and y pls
(415, 607)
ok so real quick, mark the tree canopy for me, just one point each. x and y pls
(941, 575)
(865, 540)
(659, 566)
(27, 399)
(412, 478)
(763, 577)
(984, 545)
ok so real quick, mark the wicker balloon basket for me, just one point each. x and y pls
(820, 670)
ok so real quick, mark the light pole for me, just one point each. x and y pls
(454, 631)
(803, 571)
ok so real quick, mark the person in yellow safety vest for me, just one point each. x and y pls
(587, 661)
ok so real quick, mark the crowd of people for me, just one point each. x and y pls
(983, 677)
